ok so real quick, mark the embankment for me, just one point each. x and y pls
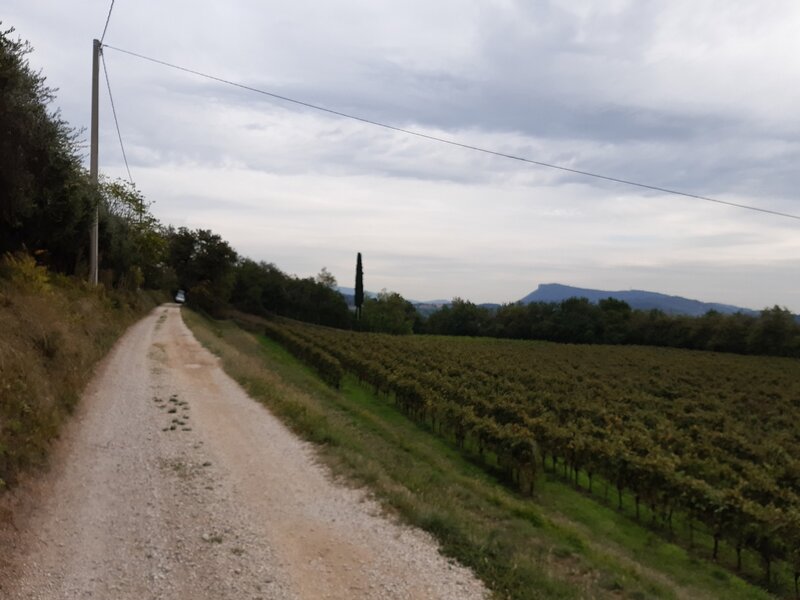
(53, 330)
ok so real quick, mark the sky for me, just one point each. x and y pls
(697, 96)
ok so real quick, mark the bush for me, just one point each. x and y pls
(21, 269)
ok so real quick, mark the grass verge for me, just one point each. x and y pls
(561, 544)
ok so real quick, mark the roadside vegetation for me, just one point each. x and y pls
(54, 330)
(558, 544)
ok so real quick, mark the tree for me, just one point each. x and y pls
(326, 278)
(133, 247)
(359, 295)
(577, 321)
(46, 200)
(389, 313)
(309, 300)
(204, 264)
(775, 332)
(614, 317)
(259, 288)
(461, 317)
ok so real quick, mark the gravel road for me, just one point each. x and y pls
(170, 482)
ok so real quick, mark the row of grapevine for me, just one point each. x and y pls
(328, 367)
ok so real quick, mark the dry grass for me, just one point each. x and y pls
(52, 332)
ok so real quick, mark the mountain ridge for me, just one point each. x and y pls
(557, 292)
(637, 299)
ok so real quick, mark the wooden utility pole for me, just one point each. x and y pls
(93, 156)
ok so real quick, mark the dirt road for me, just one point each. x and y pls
(169, 482)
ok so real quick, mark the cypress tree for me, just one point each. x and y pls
(359, 296)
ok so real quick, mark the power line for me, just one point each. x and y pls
(456, 143)
(108, 18)
(116, 121)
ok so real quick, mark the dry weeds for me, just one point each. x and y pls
(53, 330)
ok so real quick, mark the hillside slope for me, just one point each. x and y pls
(53, 330)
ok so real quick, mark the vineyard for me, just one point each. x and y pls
(713, 438)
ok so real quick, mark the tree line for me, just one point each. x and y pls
(775, 331)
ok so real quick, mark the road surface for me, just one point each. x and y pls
(170, 482)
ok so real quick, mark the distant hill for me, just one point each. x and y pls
(350, 294)
(555, 292)
(639, 299)
(423, 306)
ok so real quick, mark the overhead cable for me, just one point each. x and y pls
(108, 18)
(116, 121)
(454, 142)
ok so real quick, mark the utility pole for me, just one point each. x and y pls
(94, 234)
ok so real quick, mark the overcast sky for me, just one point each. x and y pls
(699, 96)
